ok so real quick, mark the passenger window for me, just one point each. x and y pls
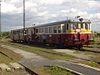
(37, 30)
(55, 29)
(67, 26)
(71, 26)
(59, 29)
(43, 30)
(50, 29)
(64, 28)
(46, 30)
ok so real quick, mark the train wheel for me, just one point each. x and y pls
(79, 47)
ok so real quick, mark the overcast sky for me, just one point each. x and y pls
(46, 11)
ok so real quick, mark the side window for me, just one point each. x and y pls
(50, 29)
(71, 26)
(64, 28)
(46, 30)
(32, 30)
(37, 30)
(67, 26)
(59, 29)
(55, 29)
(42, 30)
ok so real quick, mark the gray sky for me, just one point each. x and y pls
(46, 11)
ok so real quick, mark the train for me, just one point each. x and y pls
(69, 33)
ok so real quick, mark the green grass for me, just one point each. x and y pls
(16, 72)
(92, 64)
(96, 58)
(8, 56)
(52, 70)
(47, 53)
(57, 71)
(4, 59)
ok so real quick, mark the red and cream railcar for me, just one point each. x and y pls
(67, 33)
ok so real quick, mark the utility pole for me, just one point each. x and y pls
(23, 16)
(0, 16)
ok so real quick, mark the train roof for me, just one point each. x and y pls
(57, 23)
(63, 22)
(53, 23)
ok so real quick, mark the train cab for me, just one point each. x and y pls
(78, 33)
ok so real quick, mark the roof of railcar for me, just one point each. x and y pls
(53, 23)
(56, 23)
(62, 22)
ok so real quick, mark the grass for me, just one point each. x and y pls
(57, 71)
(92, 64)
(5, 59)
(96, 59)
(8, 55)
(47, 53)
(17, 72)
(53, 70)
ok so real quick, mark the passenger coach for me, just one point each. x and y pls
(74, 33)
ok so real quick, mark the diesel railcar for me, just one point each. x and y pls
(74, 33)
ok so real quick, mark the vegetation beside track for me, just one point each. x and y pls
(7, 56)
(5, 59)
(53, 70)
(92, 64)
(47, 53)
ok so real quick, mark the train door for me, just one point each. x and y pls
(33, 34)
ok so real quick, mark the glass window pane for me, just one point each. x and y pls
(86, 26)
(67, 27)
(50, 29)
(82, 25)
(64, 28)
(55, 29)
(59, 29)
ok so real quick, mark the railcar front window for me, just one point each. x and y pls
(82, 25)
(89, 26)
(86, 26)
(76, 26)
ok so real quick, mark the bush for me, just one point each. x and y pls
(4, 35)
